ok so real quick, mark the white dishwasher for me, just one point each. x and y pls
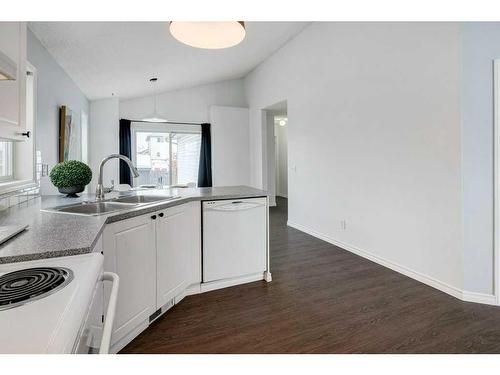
(234, 238)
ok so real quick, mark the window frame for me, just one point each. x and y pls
(152, 127)
(10, 177)
(10, 184)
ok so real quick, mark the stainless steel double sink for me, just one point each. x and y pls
(111, 205)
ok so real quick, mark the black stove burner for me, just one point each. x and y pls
(30, 284)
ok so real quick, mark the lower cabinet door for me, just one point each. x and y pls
(129, 251)
(175, 237)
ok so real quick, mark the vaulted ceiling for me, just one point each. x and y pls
(105, 58)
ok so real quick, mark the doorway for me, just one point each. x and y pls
(281, 157)
(275, 161)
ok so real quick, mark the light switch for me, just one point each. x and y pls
(45, 170)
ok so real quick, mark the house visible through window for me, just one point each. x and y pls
(167, 158)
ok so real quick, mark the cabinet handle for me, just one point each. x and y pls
(161, 214)
(26, 134)
(153, 217)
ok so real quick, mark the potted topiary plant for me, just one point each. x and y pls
(70, 177)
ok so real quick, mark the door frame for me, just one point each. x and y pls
(268, 139)
(496, 179)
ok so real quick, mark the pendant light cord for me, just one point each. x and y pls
(154, 80)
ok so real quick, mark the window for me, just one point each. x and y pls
(17, 159)
(167, 158)
(6, 161)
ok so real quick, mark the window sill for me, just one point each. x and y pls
(9, 187)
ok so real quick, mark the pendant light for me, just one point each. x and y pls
(209, 35)
(155, 117)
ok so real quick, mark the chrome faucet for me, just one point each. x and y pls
(100, 190)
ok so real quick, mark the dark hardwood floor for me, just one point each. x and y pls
(322, 300)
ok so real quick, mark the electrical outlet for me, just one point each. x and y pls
(343, 224)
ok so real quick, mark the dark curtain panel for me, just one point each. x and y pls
(205, 168)
(125, 150)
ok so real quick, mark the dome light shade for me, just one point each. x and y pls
(209, 35)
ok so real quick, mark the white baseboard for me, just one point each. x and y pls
(193, 289)
(487, 299)
(219, 284)
(124, 341)
(428, 280)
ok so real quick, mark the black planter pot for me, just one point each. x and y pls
(71, 191)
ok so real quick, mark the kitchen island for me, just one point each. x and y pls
(177, 242)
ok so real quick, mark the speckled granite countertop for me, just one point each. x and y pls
(53, 234)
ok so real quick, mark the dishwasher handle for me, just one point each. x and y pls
(110, 313)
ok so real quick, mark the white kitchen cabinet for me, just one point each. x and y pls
(159, 260)
(195, 253)
(157, 257)
(129, 248)
(13, 91)
(177, 251)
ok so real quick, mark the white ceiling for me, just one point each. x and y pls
(105, 58)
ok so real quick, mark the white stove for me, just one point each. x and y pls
(56, 306)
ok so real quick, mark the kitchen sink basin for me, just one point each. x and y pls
(111, 205)
(142, 199)
(92, 208)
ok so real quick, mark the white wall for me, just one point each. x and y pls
(230, 146)
(374, 135)
(258, 150)
(480, 46)
(54, 88)
(104, 139)
(189, 105)
(281, 160)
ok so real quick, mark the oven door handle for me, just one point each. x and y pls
(110, 313)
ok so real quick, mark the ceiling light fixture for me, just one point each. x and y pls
(282, 122)
(209, 35)
(155, 117)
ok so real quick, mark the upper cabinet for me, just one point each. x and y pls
(12, 80)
